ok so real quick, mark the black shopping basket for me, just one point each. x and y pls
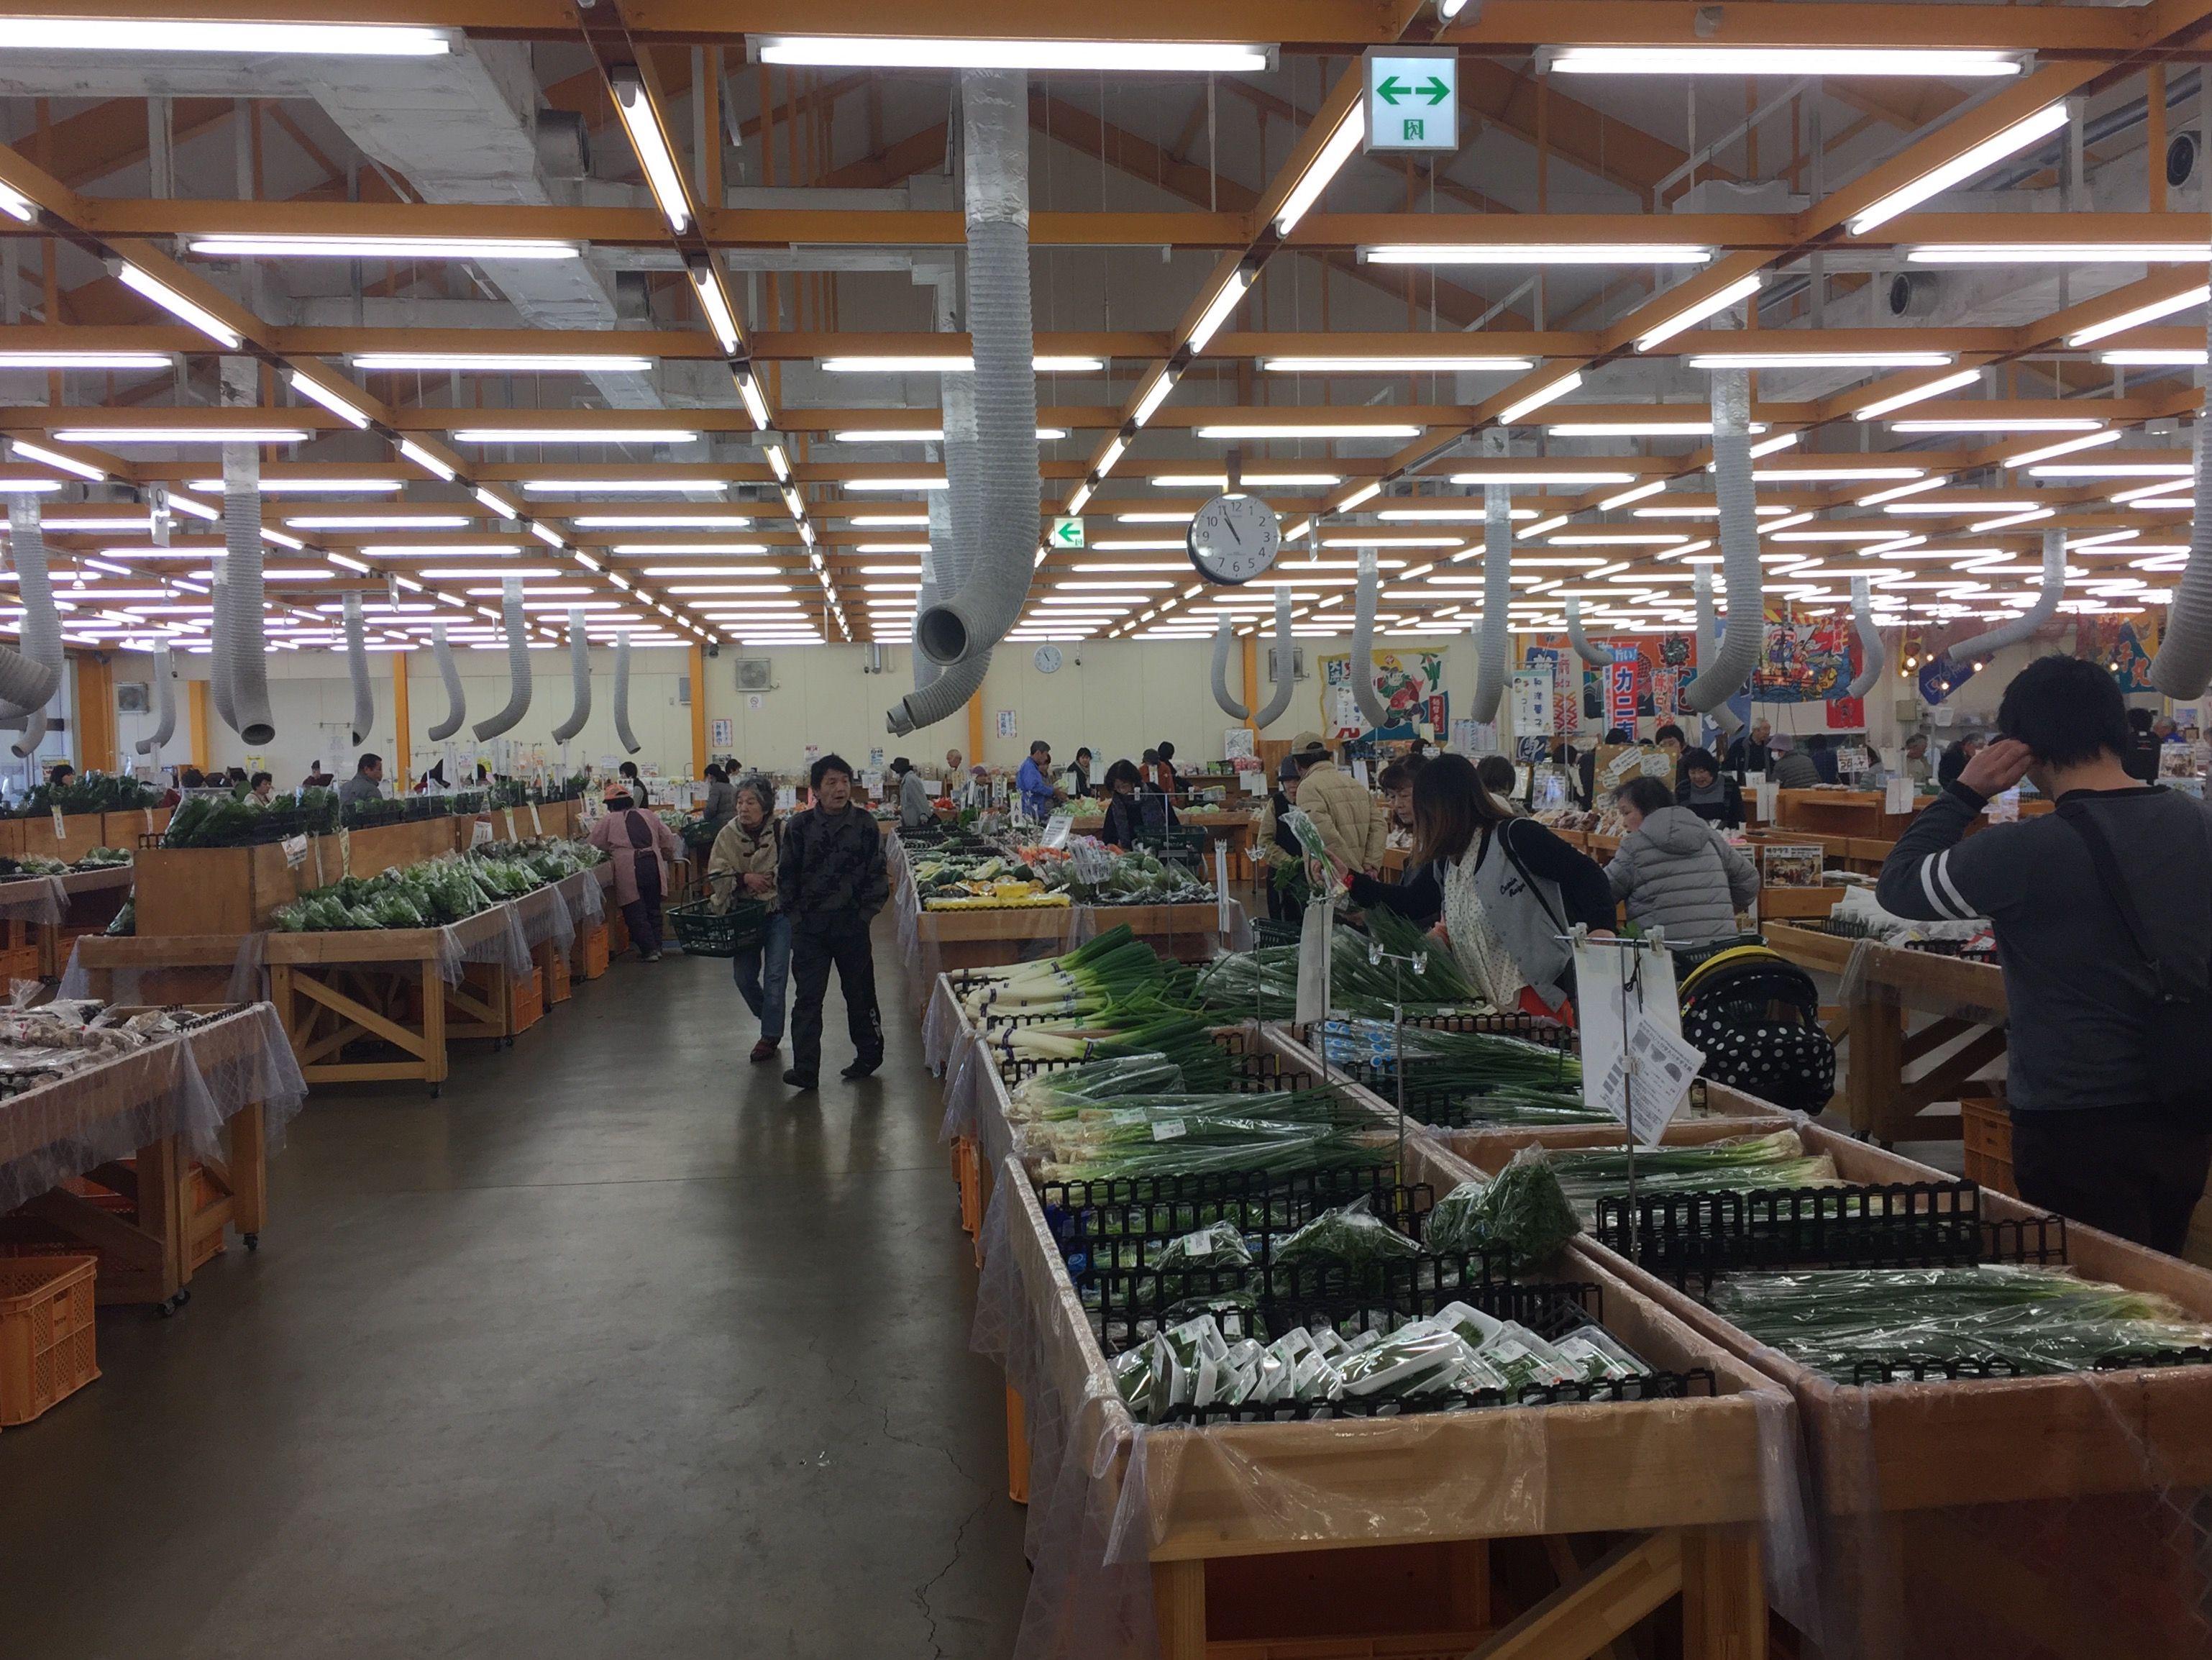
(700, 932)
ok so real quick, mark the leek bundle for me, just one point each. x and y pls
(1743, 1163)
(1111, 969)
(1277, 1134)
(2036, 1319)
(1176, 1038)
(1061, 1093)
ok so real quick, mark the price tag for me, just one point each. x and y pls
(61, 831)
(482, 838)
(1221, 888)
(1897, 795)
(345, 852)
(536, 824)
(510, 823)
(1056, 828)
(150, 821)
(1198, 1242)
(1663, 1065)
(295, 851)
(1169, 1129)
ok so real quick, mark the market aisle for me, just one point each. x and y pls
(615, 1350)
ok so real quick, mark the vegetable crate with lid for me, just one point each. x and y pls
(1981, 1481)
(1239, 1535)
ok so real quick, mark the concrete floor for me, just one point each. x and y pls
(617, 1350)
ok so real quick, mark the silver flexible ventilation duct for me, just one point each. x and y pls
(219, 641)
(1701, 585)
(41, 628)
(1591, 653)
(2183, 667)
(364, 695)
(956, 513)
(30, 674)
(1962, 654)
(1870, 646)
(995, 135)
(1225, 640)
(243, 647)
(518, 663)
(580, 676)
(1372, 709)
(1495, 640)
(1286, 666)
(1731, 666)
(165, 704)
(457, 704)
(622, 693)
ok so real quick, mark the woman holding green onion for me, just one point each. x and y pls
(1512, 890)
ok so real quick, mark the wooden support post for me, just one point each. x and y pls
(1585, 1614)
(1723, 1595)
(434, 1023)
(698, 711)
(1877, 1069)
(403, 754)
(164, 1190)
(94, 713)
(1179, 1609)
(1018, 1448)
(2155, 140)
(976, 727)
(248, 1149)
(196, 711)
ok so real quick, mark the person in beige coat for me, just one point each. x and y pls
(742, 866)
(1342, 809)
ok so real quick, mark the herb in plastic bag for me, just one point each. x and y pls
(1349, 1237)
(1521, 1210)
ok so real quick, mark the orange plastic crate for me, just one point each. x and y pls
(592, 951)
(525, 1001)
(20, 962)
(47, 1349)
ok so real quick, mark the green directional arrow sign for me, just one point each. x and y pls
(1068, 532)
(1412, 101)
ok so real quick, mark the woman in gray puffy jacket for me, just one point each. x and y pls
(1676, 873)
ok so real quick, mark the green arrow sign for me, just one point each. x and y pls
(1412, 96)
(1392, 90)
(1434, 89)
(1068, 532)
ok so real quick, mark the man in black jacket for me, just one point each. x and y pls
(2101, 1132)
(831, 882)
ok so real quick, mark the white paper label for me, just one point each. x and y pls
(345, 852)
(536, 824)
(510, 823)
(1897, 795)
(1221, 888)
(1056, 828)
(295, 851)
(481, 836)
(1168, 1129)
(1646, 1085)
(61, 831)
(1198, 1244)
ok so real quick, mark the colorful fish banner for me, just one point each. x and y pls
(1411, 684)
(1804, 660)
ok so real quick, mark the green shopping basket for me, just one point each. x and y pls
(700, 932)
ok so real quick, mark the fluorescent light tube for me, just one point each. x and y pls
(934, 364)
(423, 457)
(1635, 495)
(1366, 492)
(381, 248)
(1155, 395)
(1828, 474)
(275, 485)
(1251, 480)
(1770, 446)
(1697, 310)
(381, 521)
(659, 522)
(330, 397)
(2017, 136)
(894, 52)
(175, 304)
(1218, 309)
(755, 405)
(493, 363)
(1821, 359)
(181, 435)
(1309, 429)
(245, 40)
(493, 500)
(1535, 253)
(1350, 133)
(2182, 359)
(715, 304)
(654, 158)
(85, 360)
(1463, 363)
(39, 455)
(1945, 63)
(573, 435)
(2002, 423)
(1506, 475)
(917, 483)
(1543, 395)
(2056, 253)
(2066, 448)
(1114, 451)
(2140, 315)
(1918, 488)
(1934, 388)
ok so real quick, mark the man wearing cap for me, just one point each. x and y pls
(1340, 809)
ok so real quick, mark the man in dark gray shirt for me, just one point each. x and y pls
(366, 783)
(2096, 1135)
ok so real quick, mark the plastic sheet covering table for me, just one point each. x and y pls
(1130, 1526)
(2060, 1517)
(41, 900)
(220, 1094)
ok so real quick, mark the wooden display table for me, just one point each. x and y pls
(988, 939)
(176, 1208)
(1781, 904)
(1185, 933)
(1890, 985)
(1838, 813)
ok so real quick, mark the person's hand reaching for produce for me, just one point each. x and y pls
(1995, 770)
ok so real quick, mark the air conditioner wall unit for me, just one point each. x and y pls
(1298, 661)
(756, 674)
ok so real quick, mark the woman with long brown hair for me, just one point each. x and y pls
(1511, 889)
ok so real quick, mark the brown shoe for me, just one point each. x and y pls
(763, 1050)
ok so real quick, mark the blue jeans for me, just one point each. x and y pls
(761, 970)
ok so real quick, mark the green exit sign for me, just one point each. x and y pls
(1412, 99)
(1068, 532)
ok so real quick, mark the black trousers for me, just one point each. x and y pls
(2138, 1178)
(815, 947)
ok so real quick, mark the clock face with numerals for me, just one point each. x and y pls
(1234, 538)
(1047, 659)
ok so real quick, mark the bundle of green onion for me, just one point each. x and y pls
(2037, 1319)
(1176, 1038)
(1277, 1133)
(1266, 980)
(1113, 968)
(1742, 1164)
(1062, 1092)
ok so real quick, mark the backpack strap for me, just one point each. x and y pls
(2077, 817)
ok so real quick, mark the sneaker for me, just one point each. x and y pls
(653, 957)
(861, 1067)
(764, 1050)
(799, 1080)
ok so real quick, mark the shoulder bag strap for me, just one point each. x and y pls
(2115, 886)
(1504, 836)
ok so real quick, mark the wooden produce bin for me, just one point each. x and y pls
(1838, 813)
(78, 834)
(1783, 904)
(212, 890)
(95, 897)
(1892, 985)
(1373, 1536)
(991, 938)
(123, 830)
(1184, 934)
(1969, 1517)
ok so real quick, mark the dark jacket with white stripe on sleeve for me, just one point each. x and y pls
(2077, 987)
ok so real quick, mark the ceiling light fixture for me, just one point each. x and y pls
(2138, 315)
(1255, 430)
(1218, 309)
(655, 158)
(1927, 389)
(381, 248)
(1339, 147)
(181, 435)
(2056, 253)
(1946, 63)
(573, 435)
(1535, 400)
(245, 40)
(901, 52)
(2066, 447)
(1960, 167)
(2023, 423)
(1535, 253)
(85, 360)
(329, 397)
(2181, 358)
(1457, 363)
(424, 459)
(39, 455)
(949, 364)
(714, 303)
(1697, 311)
(175, 304)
